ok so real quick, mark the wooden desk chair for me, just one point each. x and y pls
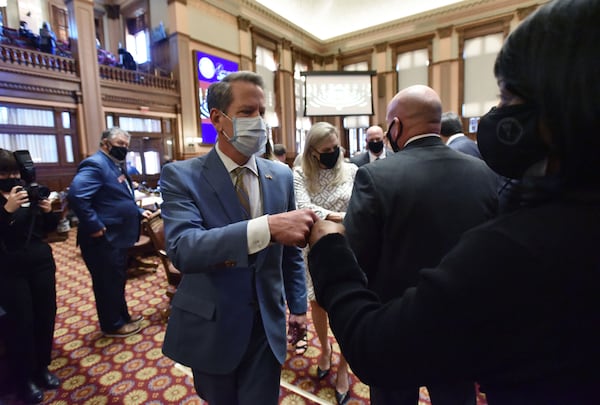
(156, 231)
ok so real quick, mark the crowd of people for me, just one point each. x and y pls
(405, 251)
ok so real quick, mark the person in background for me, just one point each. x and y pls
(375, 147)
(101, 195)
(127, 60)
(323, 183)
(452, 134)
(515, 304)
(47, 39)
(27, 283)
(408, 210)
(232, 229)
(280, 152)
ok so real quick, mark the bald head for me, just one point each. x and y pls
(418, 110)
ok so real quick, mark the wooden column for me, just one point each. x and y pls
(83, 46)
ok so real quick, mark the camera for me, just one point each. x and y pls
(35, 191)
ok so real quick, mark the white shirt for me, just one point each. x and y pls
(373, 157)
(257, 232)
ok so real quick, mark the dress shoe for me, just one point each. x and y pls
(342, 398)
(48, 380)
(136, 318)
(124, 331)
(31, 393)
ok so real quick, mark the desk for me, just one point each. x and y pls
(148, 201)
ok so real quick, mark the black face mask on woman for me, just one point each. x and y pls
(329, 159)
(509, 139)
(7, 184)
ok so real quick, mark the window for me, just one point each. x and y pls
(356, 125)
(137, 45)
(480, 91)
(303, 124)
(412, 68)
(45, 132)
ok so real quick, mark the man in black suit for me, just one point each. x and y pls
(408, 210)
(375, 147)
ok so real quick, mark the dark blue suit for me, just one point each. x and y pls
(225, 293)
(466, 145)
(101, 196)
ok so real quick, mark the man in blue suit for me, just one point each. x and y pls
(233, 231)
(101, 195)
(451, 132)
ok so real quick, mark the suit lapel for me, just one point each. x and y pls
(265, 178)
(216, 175)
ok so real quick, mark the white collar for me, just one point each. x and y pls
(230, 165)
(414, 138)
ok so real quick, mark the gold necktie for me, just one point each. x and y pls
(241, 191)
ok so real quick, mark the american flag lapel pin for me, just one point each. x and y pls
(268, 176)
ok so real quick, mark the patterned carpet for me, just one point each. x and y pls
(95, 370)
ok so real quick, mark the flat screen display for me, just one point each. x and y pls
(338, 93)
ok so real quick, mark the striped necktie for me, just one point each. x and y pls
(241, 191)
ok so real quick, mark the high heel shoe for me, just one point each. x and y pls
(342, 398)
(324, 373)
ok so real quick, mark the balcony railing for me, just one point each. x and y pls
(136, 77)
(16, 56)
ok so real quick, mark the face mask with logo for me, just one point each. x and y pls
(329, 159)
(509, 140)
(118, 152)
(7, 185)
(375, 146)
(249, 135)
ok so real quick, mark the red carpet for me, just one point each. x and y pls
(95, 370)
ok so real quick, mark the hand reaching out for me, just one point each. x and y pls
(323, 228)
(293, 227)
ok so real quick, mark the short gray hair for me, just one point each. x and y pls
(112, 133)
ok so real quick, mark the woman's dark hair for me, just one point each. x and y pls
(8, 163)
(553, 61)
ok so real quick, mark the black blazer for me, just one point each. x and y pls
(409, 209)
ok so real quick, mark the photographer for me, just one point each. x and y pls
(27, 281)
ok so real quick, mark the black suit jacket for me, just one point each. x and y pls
(409, 209)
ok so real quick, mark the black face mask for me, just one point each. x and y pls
(118, 152)
(388, 135)
(375, 146)
(329, 159)
(509, 140)
(7, 184)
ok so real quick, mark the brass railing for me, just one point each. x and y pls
(40, 60)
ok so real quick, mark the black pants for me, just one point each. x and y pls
(108, 267)
(29, 298)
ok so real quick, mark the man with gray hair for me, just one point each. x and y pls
(101, 195)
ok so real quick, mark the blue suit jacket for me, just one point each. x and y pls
(100, 198)
(466, 145)
(222, 286)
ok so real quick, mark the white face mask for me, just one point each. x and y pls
(249, 135)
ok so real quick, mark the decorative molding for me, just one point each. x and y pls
(135, 101)
(36, 89)
(445, 32)
(286, 43)
(244, 24)
(524, 12)
(381, 47)
(113, 12)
